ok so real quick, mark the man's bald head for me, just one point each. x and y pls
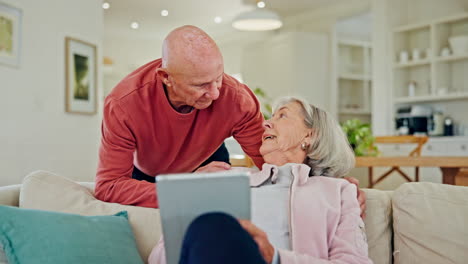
(192, 69)
(189, 46)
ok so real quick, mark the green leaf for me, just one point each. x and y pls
(360, 137)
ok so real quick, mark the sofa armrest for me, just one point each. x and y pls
(9, 195)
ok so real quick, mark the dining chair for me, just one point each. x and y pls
(416, 152)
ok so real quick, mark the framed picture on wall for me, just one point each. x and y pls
(80, 76)
(10, 35)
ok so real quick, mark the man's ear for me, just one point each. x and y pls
(163, 75)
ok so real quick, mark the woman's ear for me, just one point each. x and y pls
(310, 133)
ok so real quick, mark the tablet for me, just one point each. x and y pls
(184, 197)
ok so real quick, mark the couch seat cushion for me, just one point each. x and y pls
(47, 191)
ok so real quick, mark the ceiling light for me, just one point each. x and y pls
(105, 5)
(134, 25)
(218, 20)
(164, 12)
(257, 20)
(260, 4)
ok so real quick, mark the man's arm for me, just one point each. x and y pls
(249, 130)
(114, 181)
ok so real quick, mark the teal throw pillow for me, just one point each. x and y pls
(34, 236)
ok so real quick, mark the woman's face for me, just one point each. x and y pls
(284, 134)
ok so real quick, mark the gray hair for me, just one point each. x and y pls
(329, 153)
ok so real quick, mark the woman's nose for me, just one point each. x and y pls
(267, 124)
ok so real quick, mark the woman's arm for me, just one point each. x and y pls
(349, 244)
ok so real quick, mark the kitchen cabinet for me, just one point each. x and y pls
(439, 75)
(354, 79)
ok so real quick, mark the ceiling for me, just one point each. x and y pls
(122, 13)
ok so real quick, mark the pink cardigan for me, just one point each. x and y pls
(326, 226)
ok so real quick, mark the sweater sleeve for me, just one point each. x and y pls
(158, 254)
(349, 243)
(114, 181)
(249, 130)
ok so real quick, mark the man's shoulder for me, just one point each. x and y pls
(134, 81)
(235, 92)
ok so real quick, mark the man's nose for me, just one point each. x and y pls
(213, 92)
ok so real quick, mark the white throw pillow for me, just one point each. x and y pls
(47, 191)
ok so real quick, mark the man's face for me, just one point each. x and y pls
(198, 86)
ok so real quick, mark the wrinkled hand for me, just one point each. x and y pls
(214, 166)
(260, 237)
(361, 196)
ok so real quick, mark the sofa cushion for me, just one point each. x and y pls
(10, 195)
(47, 191)
(378, 223)
(3, 259)
(430, 223)
(36, 236)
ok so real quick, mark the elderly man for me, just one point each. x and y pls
(170, 116)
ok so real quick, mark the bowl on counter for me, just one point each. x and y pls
(459, 44)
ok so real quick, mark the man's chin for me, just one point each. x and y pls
(201, 106)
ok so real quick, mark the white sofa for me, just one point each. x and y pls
(417, 223)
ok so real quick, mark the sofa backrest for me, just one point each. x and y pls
(378, 223)
(9, 195)
(378, 220)
(430, 223)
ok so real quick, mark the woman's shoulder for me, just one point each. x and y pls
(331, 184)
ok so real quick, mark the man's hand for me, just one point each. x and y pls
(214, 166)
(266, 249)
(361, 196)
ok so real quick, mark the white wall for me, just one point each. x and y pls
(127, 53)
(292, 63)
(130, 52)
(35, 131)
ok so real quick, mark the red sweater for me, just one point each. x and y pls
(141, 128)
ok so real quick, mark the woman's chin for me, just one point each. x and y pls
(270, 158)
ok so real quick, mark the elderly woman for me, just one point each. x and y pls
(301, 211)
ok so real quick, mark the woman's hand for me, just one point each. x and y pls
(361, 195)
(266, 249)
(214, 166)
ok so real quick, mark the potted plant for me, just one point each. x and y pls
(360, 137)
(266, 107)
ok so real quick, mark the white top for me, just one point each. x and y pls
(270, 207)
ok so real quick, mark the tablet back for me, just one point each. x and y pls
(183, 197)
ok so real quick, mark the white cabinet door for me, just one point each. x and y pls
(457, 146)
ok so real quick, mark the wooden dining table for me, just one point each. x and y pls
(454, 169)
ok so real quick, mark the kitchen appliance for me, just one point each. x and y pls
(448, 126)
(436, 124)
(416, 118)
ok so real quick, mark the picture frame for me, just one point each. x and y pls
(10, 35)
(80, 77)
